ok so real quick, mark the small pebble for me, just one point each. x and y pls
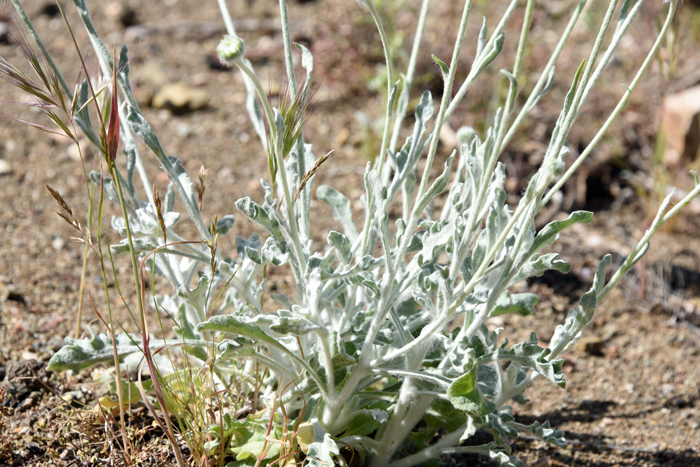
(225, 174)
(75, 399)
(29, 355)
(4, 292)
(183, 129)
(5, 168)
(592, 346)
(58, 243)
(26, 404)
(180, 98)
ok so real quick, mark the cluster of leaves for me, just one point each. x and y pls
(360, 354)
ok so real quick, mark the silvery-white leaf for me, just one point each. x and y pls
(342, 211)
(522, 304)
(323, 449)
(82, 354)
(341, 244)
(257, 214)
(568, 333)
(140, 245)
(224, 224)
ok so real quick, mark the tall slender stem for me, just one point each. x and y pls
(142, 313)
(388, 282)
(546, 71)
(513, 89)
(390, 82)
(489, 45)
(115, 351)
(288, 49)
(408, 81)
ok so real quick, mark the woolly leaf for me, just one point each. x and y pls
(366, 422)
(465, 395)
(224, 224)
(242, 327)
(538, 265)
(321, 451)
(341, 244)
(493, 53)
(522, 304)
(548, 234)
(531, 355)
(500, 430)
(443, 67)
(257, 214)
(82, 354)
(578, 318)
(342, 211)
(290, 322)
(437, 187)
(544, 432)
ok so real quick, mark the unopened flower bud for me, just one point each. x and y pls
(466, 134)
(556, 167)
(230, 49)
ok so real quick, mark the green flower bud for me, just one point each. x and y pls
(230, 49)
(466, 134)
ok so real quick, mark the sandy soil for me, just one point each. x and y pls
(633, 392)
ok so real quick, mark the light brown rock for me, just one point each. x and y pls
(681, 127)
(591, 345)
(180, 98)
(5, 168)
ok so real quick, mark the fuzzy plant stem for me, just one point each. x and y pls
(402, 421)
(367, 230)
(386, 292)
(513, 89)
(639, 250)
(489, 46)
(636, 254)
(620, 105)
(288, 196)
(501, 131)
(545, 75)
(660, 219)
(553, 150)
(556, 145)
(304, 225)
(289, 64)
(408, 80)
(389, 82)
(226, 15)
(441, 118)
(444, 446)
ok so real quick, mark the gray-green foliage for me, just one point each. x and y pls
(363, 342)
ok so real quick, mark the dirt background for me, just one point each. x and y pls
(633, 392)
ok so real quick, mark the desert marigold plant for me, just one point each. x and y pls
(384, 339)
